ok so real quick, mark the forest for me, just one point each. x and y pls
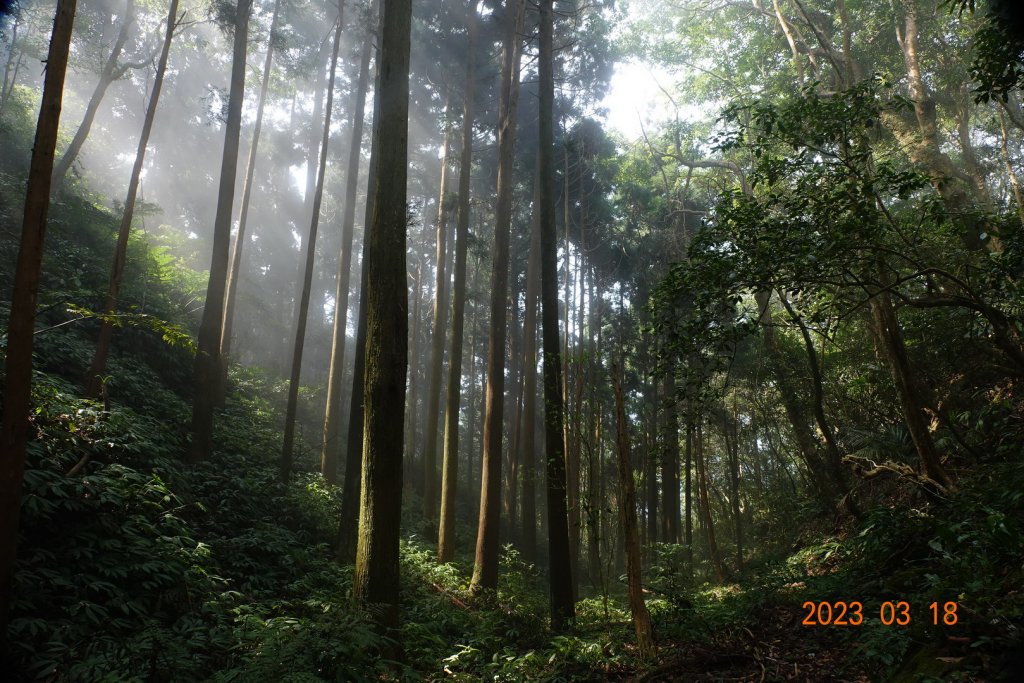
(512, 340)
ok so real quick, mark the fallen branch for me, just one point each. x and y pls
(869, 469)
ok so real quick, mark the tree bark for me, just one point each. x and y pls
(94, 380)
(527, 439)
(437, 333)
(11, 75)
(376, 580)
(651, 467)
(688, 501)
(302, 313)
(705, 508)
(450, 465)
(906, 387)
(825, 487)
(21, 323)
(209, 360)
(924, 147)
(331, 448)
(627, 510)
(670, 465)
(833, 460)
(485, 569)
(234, 271)
(563, 607)
(351, 490)
(730, 432)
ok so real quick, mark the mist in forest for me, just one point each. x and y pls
(640, 340)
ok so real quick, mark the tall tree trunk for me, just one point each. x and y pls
(833, 460)
(234, 272)
(376, 581)
(730, 433)
(412, 424)
(514, 409)
(972, 165)
(94, 381)
(651, 467)
(705, 508)
(825, 487)
(307, 278)
(475, 445)
(1015, 185)
(571, 461)
(437, 332)
(906, 387)
(670, 465)
(595, 463)
(352, 488)
(21, 323)
(11, 75)
(450, 465)
(110, 73)
(924, 146)
(563, 606)
(527, 439)
(627, 510)
(209, 360)
(688, 501)
(331, 447)
(485, 568)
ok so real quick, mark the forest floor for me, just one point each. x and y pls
(772, 647)
(223, 573)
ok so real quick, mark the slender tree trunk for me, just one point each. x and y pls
(731, 436)
(595, 464)
(450, 466)
(924, 148)
(21, 323)
(571, 461)
(234, 273)
(627, 507)
(209, 360)
(376, 581)
(825, 487)
(906, 387)
(437, 333)
(514, 409)
(414, 355)
(331, 447)
(352, 489)
(475, 445)
(651, 467)
(527, 440)
(670, 465)
(563, 606)
(312, 140)
(307, 278)
(485, 569)
(110, 73)
(972, 165)
(1015, 185)
(94, 380)
(833, 457)
(11, 75)
(705, 508)
(688, 533)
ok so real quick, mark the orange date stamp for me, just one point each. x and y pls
(890, 613)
